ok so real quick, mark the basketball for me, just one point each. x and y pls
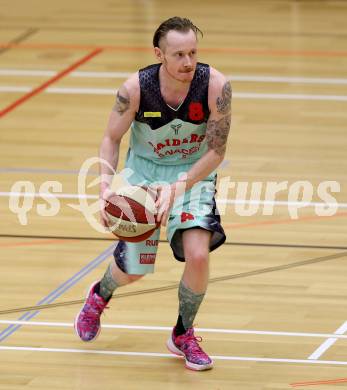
(131, 213)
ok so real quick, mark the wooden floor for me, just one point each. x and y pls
(275, 313)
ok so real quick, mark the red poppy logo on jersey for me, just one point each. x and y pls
(196, 113)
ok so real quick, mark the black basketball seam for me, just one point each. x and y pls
(136, 203)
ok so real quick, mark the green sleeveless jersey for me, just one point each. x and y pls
(165, 135)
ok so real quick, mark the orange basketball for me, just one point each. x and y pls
(131, 213)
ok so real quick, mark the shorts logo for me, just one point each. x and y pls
(152, 114)
(151, 242)
(196, 113)
(147, 258)
(186, 217)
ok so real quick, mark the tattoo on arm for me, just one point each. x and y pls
(224, 102)
(217, 130)
(217, 134)
(122, 102)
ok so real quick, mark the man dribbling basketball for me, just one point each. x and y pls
(179, 112)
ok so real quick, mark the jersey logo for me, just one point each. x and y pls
(186, 217)
(195, 113)
(175, 128)
(152, 114)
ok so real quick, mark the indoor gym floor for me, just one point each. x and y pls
(275, 313)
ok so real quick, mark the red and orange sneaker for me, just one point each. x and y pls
(87, 322)
(187, 345)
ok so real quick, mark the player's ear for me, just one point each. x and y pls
(159, 54)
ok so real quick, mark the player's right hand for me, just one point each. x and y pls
(105, 194)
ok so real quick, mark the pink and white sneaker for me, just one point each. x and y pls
(87, 321)
(187, 345)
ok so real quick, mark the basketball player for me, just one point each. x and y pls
(179, 112)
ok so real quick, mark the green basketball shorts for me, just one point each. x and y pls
(195, 209)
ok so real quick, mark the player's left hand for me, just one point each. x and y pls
(166, 196)
(164, 202)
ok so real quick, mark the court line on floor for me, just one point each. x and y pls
(168, 328)
(218, 201)
(56, 293)
(111, 238)
(60, 195)
(175, 285)
(167, 355)
(52, 80)
(272, 245)
(273, 34)
(240, 95)
(328, 343)
(123, 75)
(283, 221)
(31, 243)
(148, 49)
(50, 171)
(321, 382)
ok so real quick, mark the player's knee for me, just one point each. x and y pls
(197, 259)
